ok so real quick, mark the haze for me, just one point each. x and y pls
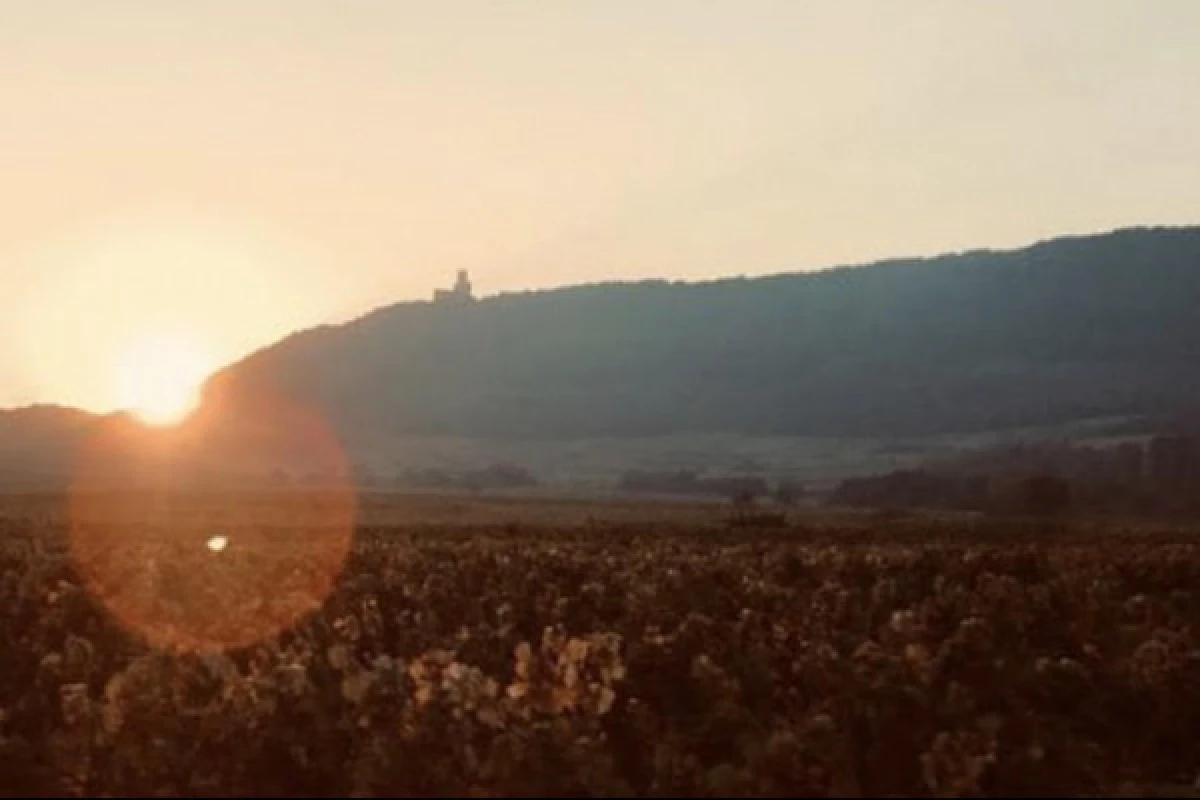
(222, 173)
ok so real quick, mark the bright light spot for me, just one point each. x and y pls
(217, 543)
(159, 377)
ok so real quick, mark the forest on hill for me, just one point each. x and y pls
(1068, 329)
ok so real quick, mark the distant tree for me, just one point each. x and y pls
(788, 493)
(498, 476)
(912, 489)
(1174, 461)
(1045, 495)
(746, 512)
(678, 482)
(744, 498)
(739, 484)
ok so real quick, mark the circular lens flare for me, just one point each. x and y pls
(142, 500)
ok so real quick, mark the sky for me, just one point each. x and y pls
(196, 180)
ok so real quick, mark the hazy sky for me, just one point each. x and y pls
(224, 172)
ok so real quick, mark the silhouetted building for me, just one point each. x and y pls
(460, 295)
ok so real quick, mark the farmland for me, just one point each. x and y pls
(482, 647)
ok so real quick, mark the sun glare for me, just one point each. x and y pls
(159, 378)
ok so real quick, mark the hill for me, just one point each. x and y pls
(41, 444)
(1068, 329)
(812, 377)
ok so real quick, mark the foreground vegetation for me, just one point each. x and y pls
(900, 657)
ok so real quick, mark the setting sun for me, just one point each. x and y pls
(159, 377)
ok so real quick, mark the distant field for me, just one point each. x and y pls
(246, 645)
(594, 466)
(372, 509)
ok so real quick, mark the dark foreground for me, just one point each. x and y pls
(617, 657)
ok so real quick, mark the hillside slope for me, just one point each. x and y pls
(1067, 329)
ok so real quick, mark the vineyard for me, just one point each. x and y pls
(631, 658)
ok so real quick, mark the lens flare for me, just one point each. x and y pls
(142, 500)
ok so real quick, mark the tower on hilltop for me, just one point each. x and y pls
(460, 295)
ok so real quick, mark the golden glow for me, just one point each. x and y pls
(188, 572)
(184, 290)
(209, 165)
(159, 377)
